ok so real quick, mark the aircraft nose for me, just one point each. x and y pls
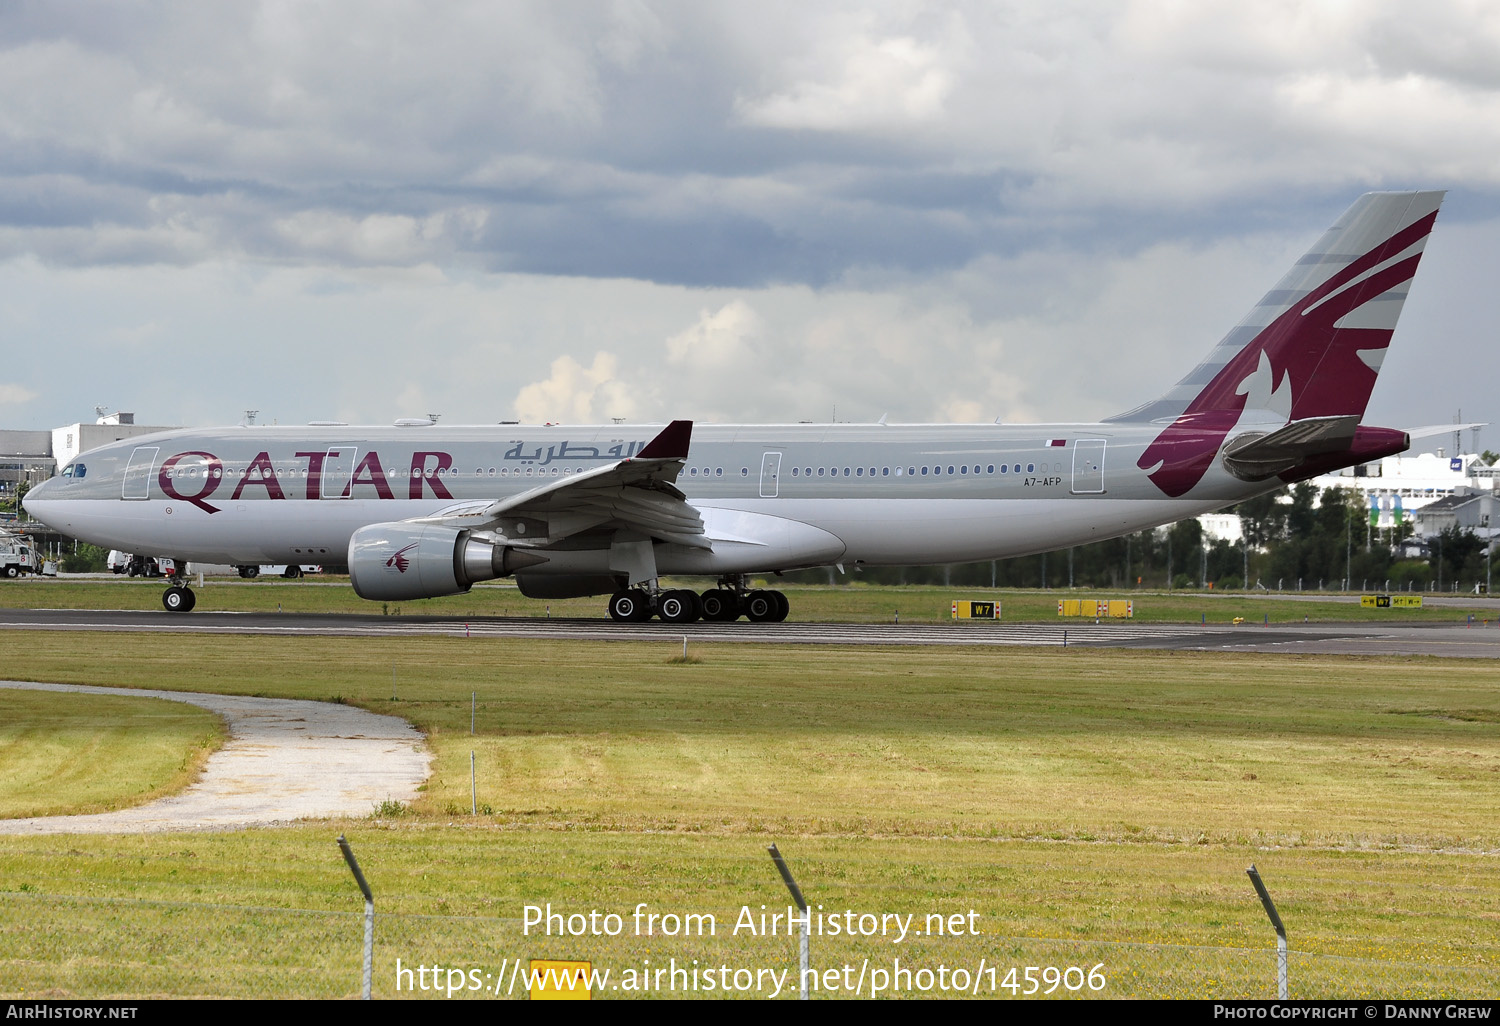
(37, 499)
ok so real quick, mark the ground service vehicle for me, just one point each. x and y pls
(17, 557)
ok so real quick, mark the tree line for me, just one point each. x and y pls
(1297, 540)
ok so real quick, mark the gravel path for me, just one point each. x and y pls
(285, 760)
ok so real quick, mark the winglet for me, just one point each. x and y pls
(671, 444)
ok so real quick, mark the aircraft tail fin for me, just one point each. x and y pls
(1306, 356)
(1313, 346)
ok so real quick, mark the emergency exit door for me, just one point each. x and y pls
(770, 471)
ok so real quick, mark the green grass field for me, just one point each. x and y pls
(69, 754)
(1073, 798)
(851, 603)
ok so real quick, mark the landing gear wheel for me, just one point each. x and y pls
(720, 605)
(679, 607)
(782, 606)
(178, 600)
(761, 607)
(631, 606)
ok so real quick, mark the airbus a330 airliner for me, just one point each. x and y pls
(419, 511)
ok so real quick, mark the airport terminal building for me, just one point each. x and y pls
(1433, 490)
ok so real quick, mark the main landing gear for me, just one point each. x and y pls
(728, 602)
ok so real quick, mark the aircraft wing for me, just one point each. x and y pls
(637, 493)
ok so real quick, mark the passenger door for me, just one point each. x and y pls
(1088, 466)
(137, 482)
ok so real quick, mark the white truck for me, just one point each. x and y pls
(17, 557)
(291, 570)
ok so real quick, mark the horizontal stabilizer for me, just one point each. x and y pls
(1256, 457)
(1442, 429)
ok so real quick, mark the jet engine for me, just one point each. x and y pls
(410, 561)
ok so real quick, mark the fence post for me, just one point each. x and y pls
(1265, 899)
(791, 885)
(359, 878)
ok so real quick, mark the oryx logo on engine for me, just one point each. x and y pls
(399, 562)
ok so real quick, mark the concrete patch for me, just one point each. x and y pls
(285, 760)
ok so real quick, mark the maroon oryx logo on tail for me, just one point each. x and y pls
(1330, 367)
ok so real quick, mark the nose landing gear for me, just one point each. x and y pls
(179, 599)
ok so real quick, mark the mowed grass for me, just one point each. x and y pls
(1089, 797)
(62, 753)
(851, 603)
(1055, 743)
(1389, 906)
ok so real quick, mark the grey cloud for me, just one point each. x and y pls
(623, 140)
(1030, 183)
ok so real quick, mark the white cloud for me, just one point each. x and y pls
(575, 394)
(16, 394)
(876, 83)
(721, 342)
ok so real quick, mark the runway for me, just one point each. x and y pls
(1437, 639)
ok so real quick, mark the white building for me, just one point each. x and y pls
(1409, 483)
(1222, 527)
(1412, 481)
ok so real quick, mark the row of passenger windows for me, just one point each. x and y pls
(937, 471)
(962, 469)
(281, 472)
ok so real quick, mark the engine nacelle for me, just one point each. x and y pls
(411, 561)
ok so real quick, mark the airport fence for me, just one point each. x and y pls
(57, 946)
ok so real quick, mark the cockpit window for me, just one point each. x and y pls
(77, 471)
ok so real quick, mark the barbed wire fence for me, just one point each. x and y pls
(63, 946)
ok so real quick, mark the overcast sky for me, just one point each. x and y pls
(722, 211)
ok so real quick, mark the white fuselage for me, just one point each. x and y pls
(771, 497)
